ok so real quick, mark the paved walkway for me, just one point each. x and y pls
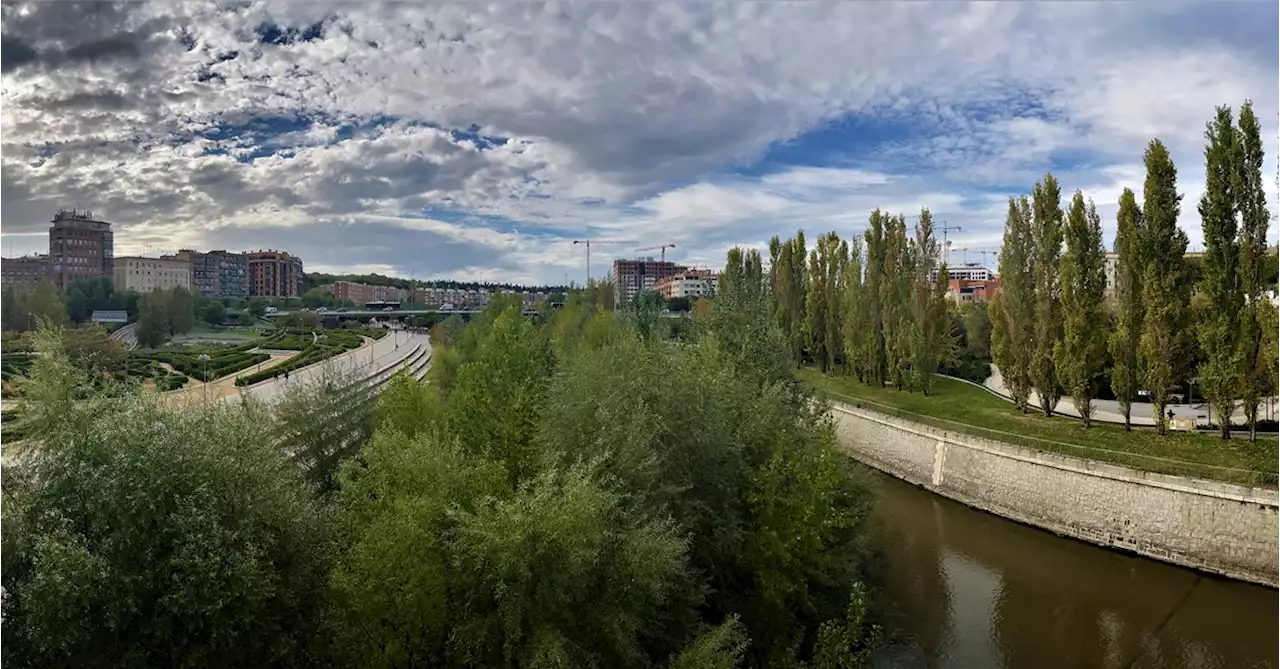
(1141, 413)
(363, 361)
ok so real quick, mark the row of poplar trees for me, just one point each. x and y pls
(874, 307)
(1049, 322)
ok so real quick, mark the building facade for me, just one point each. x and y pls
(963, 291)
(25, 270)
(80, 247)
(274, 274)
(971, 271)
(689, 284)
(144, 275)
(361, 293)
(631, 277)
(218, 274)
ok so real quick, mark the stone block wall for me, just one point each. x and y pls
(1208, 525)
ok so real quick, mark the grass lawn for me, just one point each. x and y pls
(960, 407)
(203, 334)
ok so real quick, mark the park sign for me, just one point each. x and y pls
(109, 316)
(1184, 424)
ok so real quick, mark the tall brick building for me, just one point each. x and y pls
(218, 274)
(80, 247)
(274, 274)
(630, 277)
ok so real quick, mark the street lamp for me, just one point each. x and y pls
(204, 359)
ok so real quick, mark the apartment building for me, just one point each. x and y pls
(630, 277)
(970, 271)
(144, 275)
(963, 291)
(218, 274)
(24, 270)
(274, 274)
(689, 283)
(361, 293)
(80, 247)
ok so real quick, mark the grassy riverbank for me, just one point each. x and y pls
(963, 408)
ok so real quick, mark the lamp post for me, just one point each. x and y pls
(204, 360)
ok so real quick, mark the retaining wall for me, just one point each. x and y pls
(1212, 526)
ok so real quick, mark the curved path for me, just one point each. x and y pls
(1108, 411)
(392, 350)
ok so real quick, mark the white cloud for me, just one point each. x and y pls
(621, 119)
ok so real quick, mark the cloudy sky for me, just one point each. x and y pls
(475, 141)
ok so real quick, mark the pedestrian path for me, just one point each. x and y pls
(393, 349)
(1108, 411)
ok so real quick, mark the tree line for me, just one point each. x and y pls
(1049, 319)
(580, 492)
(874, 307)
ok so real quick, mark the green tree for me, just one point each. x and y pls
(1081, 353)
(874, 282)
(929, 329)
(316, 298)
(1046, 230)
(181, 306)
(1257, 324)
(820, 317)
(1218, 325)
(213, 313)
(257, 307)
(896, 293)
(153, 320)
(855, 321)
(1012, 311)
(192, 542)
(1164, 286)
(788, 282)
(976, 317)
(1127, 373)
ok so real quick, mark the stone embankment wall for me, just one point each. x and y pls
(1216, 527)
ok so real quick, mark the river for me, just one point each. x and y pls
(969, 589)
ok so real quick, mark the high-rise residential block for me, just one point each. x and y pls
(218, 274)
(274, 274)
(630, 277)
(80, 247)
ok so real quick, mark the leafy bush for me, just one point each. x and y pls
(623, 503)
(969, 369)
(214, 553)
(171, 382)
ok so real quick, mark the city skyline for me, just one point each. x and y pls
(471, 143)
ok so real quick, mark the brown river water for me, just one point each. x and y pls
(969, 589)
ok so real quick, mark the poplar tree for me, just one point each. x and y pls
(1126, 373)
(873, 291)
(1257, 316)
(896, 300)
(787, 287)
(1164, 284)
(854, 321)
(1012, 311)
(1047, 232)
(1080, 354)
(928, 305)
(820, 314)
(1219, 324)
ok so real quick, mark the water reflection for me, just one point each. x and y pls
(969, 589)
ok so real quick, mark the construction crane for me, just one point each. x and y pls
(589, 242)
(662, 249)
(946, 246)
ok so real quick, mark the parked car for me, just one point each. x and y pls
(272, 310)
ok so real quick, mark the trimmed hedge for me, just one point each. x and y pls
(171, 382)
